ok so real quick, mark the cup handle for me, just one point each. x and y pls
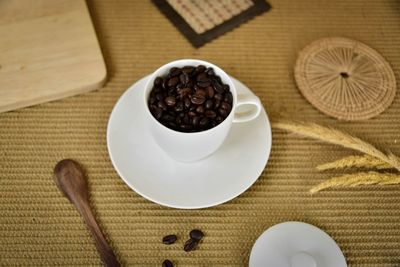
(247, 108)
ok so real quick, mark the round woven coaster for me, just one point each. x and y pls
(345, 79)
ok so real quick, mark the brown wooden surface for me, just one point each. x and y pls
(48, 50)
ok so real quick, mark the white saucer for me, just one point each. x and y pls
(150, 172)
(296, 244)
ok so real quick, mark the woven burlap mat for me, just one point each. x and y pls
(38, 227)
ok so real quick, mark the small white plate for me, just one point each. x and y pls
(296, 244)
(149, 171)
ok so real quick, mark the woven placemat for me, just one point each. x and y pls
(39, 227)
(345, 79)
(201, 21)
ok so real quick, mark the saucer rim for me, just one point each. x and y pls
(190, 207)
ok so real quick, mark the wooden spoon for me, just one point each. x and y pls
(70, 179)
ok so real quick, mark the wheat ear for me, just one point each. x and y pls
(365, 161)
(362, 178)
(339, 138)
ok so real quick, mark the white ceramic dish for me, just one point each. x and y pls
(150, 172)
(296, 244)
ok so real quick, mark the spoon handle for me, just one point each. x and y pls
(106, 253)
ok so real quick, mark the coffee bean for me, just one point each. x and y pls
(200, 109)
(198, 99)
(223, 112)
(201, 92)
(172, 125)
(187, 102)
(179, 106)
(228, 98)
(218, 87)
(188, 69)
(210, 71)
(184, 91)
(192, 114)
(204, 84)
(158, 112)
(209, 104)
(217, 104)
(152, 100)
(210, 114)
(200, 68)
(210, 92)
(226, 106)
(167, 263)
(165, 83)
(202, 77)
(186, 127)
(169, 239)
(173, 81)
(161, 104)
(170, 101)
(174, 72)
(168, 118)
(225, 87)
(190, 245)
(219, 119)
(159, 96)
(158, 82)
(184, 78)
(196, 234)
(195, 121)
(204, 122)
(218, 96)
(186, 119)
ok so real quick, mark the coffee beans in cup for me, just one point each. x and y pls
(190, 99)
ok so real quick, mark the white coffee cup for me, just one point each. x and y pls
(189, 147)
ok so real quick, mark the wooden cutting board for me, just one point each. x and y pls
(48, 50)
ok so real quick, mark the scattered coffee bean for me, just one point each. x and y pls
(167, 263)
(169, 239)
(190, 245)
(190, 99)
(196, 234)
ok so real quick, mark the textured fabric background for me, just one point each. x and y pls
(38, 227)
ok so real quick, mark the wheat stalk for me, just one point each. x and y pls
(365, 161)
(339, 138)
(362, 178)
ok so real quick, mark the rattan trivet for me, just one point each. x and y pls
(345, 79)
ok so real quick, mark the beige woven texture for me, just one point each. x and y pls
(39, 227)
(203, 15)
(345, 79)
